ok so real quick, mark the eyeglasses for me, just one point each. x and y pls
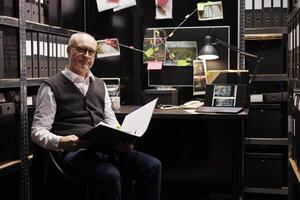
(83, 50)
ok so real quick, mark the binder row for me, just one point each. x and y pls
(46, 54)
(293, 48)
(9, 62)
(266, 13)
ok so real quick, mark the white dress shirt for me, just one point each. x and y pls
(46, 110)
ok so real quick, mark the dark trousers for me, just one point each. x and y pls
(106, 173)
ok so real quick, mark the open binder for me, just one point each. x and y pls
(103, 137)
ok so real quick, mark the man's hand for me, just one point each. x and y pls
(123, 147)
(71, 143)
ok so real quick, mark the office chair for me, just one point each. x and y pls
(67, 176)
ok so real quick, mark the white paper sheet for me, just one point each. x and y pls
(106, 5)
(168, 11)
(137, 122)
(125, 4)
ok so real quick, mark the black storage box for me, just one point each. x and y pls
(9, 138)
(265, 121)
(263, 170)
(7, 108)
(168, 96)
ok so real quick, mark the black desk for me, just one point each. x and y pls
(210, 157)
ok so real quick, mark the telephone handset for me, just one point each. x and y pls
(192, 104)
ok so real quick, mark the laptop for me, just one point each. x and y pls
(226, 98)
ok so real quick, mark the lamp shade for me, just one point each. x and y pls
(208, 51)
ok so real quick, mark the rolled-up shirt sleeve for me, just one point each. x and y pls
(109, 115)
(43, 119)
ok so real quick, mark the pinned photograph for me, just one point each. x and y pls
(210, 10)
(199, 77)
(164, 9)
(154, 45)
(178, 52)
(108, 47)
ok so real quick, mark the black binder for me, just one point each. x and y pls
(11, 61)
(35, 11)
(8, 8)
(28, 9)
(258, 18)
(2, 67)
(29, 56)
(249, 13)
(284, 17)
(276, 13)
(267, 15)
(35, 50)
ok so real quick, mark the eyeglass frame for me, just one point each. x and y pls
(83, 50)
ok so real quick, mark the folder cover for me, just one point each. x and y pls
(276, 12)
(104, 137)
(267, 17)
(249, 13)
(258, 18)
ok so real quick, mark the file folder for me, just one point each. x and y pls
(276, 13)
(35, 64)
(249, 13)
(284, 17)
(2, 67)
(28, 9)
(258, 18)
(11, 61)
(28, 55)
(267, 17)
(35, 11)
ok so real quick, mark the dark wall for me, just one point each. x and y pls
(128, 26)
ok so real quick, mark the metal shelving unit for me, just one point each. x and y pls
(21, 84)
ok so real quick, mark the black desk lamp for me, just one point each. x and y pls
(209, 52)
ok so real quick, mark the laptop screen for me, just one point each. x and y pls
(225, 95)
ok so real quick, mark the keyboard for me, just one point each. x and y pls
(211, 109)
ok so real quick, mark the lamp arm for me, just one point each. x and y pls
(218, 41)
(259, 58)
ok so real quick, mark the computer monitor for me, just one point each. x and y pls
(187, 41)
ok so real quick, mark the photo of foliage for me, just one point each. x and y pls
(180, 50)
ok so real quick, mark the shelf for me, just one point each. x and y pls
(49, 29)
(271, 77)
(267, 141)
(35, 81)
(264, 36)
(282, 191)
(9, 83)
(9, 21)
(268, 30)
(295, 168)
(11, 166)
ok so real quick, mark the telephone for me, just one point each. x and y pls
(192, 104)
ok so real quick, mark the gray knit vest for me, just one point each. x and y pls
(76, 113)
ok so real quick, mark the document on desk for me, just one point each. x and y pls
(103, 137)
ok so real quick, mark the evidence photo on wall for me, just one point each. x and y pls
(154, 45)
(210, 10)
(180, 52)
(199, 77)
(108, 47)
(224, 95)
